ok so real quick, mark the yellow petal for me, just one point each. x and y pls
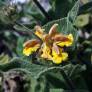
(46, 52)
(66, 42)
(59, 58)
(29, 50)
(39, 31)
(70, 36)
(64, 56)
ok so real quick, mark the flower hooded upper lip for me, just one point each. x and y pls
(52, 44)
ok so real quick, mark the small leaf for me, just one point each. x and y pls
(19, 48)
(4, 59)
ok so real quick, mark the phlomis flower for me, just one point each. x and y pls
(52, 45)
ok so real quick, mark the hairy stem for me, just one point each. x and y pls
(42, 10)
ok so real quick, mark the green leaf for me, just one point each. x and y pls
(76, 69)
(61, 8)
(51, 75)
(19, 48)
(80, 82)
(21, 64)
(4, 59)
(73, 12)
(56, 79)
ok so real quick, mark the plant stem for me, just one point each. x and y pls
(42, 10)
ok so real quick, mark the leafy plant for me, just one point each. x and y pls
(40, 71)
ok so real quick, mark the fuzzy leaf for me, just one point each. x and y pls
(4, 59)
(17, 63)
(73, 12)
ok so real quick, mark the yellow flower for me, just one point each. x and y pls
(30, 46)
(52, 44)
